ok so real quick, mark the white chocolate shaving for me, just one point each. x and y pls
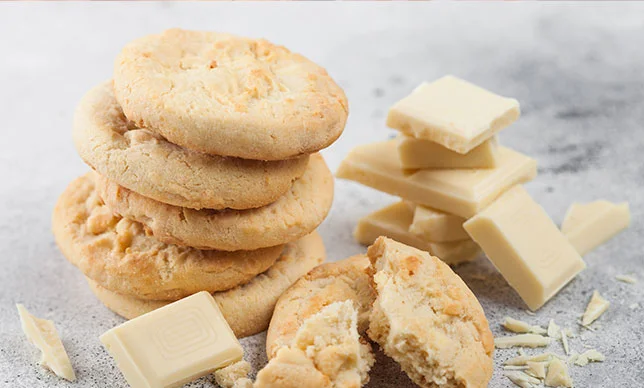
(557, 375)
(522, 379)
(554, 331)
(43, 334)
(564, 342)
(591, 355)
(523, 359)
(517, 326)
(596, 307)
(526, 340)
(626, 279)
(537, 369)
(515, 367)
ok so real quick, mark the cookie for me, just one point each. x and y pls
(118, 254)
(295, 214)
(247, 308)
(427, 319)
(328, 283)
(146, 163)
(327, 352)
(228, 95)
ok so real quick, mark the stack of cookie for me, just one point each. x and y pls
(446, 165)
(206, 175)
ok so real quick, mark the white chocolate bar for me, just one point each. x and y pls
(525, 246)
(417, 153)
(174, 344)
(453, 113)
(393, 221)
(592, 224)
(437, 226)
(462, 192)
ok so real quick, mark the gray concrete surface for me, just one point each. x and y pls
(576, 69)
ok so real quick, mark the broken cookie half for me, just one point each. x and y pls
(427, 319)
(327, 351)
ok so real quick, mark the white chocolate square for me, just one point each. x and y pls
(525, 245)
(417, 153)
(393, 221)
(462, 192)
(591, 224)
(454, 113)
(174, 344)
(437, 226)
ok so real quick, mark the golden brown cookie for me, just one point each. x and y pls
(228, 95)
(119, 255)
(247, 308)
(328, 283)
(146, 163)
(293, 215)
(427, 319)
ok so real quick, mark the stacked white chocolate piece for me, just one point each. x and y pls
(447, 165)
(461, 190)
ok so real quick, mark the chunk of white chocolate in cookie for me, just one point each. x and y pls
(43, 334)
(525, 246)
(394, 221)
(454, 113)
(427, 320)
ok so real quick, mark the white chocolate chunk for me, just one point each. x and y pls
(435, 225)
(523, 359)
(43, 334)
(596, 307)
(418, 153)
(525, 245)
(626, 279)
(393, 221)
(522, 379)
(592, 224)
(554, 331)
(462, 192)
(525, 340)
(226, 377)
(517, 326)
(557, 375)
(634, 306)
(591, 355)
(174, 344)
(453, 112)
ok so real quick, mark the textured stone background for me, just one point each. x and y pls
(576, 69)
